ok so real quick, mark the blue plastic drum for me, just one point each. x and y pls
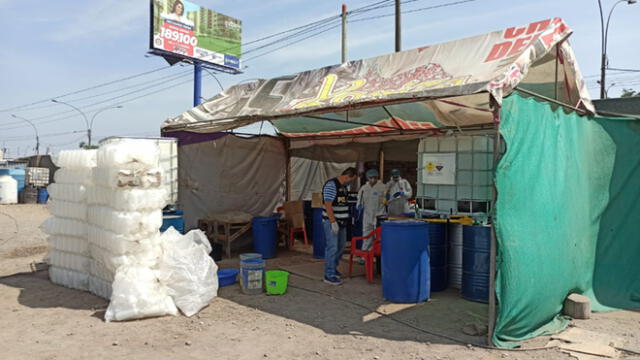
(265, 231)
(43, 196)
(438, 256)
(319, 241)
(405, 261)
(476, 245)
(173, 218)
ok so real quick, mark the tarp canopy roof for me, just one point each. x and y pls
(438, 86)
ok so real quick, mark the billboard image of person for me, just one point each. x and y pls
(187, 30)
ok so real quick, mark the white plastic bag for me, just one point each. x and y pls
(136, 293)
(187, 270)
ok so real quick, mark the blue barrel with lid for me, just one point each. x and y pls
(173, 218)
(405, 261)
(265, 231)
(319, 241)
(43, 196)
(438, 256)
(476, 246)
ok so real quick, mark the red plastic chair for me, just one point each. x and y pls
(367, 255)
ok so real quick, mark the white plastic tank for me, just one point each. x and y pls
(8, 190)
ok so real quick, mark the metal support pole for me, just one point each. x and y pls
(197, 83)
(34, 129)
(344, 33)
(287, 146)
(497, 149)
(398, 34)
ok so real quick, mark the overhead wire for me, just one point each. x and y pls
(413, 10)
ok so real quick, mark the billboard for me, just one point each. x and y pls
(183, 29)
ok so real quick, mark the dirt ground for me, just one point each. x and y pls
(40, 320)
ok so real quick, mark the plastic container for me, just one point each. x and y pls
(455, 255)
(43, 196)
(318, 240)
(19, 174)
(227, 277)
(405, 261)
(438, 256)
(29, 195)
(248, 256)
(173, 218)
(251, 276)
(8, 189)
(476, 260)
(276, 282)
(265, 230)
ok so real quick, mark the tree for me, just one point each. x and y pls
(629, 93)
(83, 145)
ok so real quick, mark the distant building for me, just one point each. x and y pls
(621, 106)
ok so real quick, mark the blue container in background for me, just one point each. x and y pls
(19, 174)
(173, 218)
(476, 245)
(43, 196)
(319, 241)
(438, 256)
(265, 231)
(405, 261)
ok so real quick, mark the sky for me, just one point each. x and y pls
(54, 48)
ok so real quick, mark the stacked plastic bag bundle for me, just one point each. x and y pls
(124, 212)
(69, 256)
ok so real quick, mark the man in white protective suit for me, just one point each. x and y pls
(371, 203)
(398, 194)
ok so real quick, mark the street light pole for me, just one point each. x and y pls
(604, 29)
(94, 117)
(34, 128)
(86, 120)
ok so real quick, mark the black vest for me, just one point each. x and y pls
(340, 204)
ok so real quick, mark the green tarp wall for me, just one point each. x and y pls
(567, 216)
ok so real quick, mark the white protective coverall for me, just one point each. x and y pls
(400, 204)
(371, 198)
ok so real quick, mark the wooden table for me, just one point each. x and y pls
(224, 231)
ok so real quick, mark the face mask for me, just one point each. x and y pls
(396, 178)
(373, 181)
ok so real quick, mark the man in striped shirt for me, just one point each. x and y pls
(335, 221)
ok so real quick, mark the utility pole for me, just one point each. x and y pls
(344, 33)
(197, 83)
(398, 35)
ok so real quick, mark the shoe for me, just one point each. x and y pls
(361, 261)
(338, 274)
(334, 280)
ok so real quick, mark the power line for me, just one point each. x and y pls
(414, 10)
(87, 89)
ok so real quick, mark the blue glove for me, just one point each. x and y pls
(359, 208)
(398, 194)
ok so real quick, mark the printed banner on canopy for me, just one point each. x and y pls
(492, 63)
(185, 29)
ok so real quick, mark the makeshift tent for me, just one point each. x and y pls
(557, 200)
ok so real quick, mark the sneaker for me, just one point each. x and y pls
(338, 274)
(334, 280)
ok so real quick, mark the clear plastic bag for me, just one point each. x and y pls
(70, 261)
(135, 177)
(68, 192)
(137, 294)
(128, 152)
(75, 159)
(69, 244)
(123, 222)
(187, 270)
(69, 278)
(73, 176)
(68, 209)
(128, 199)
(64, 226)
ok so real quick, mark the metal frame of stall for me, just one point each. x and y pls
(493, 128)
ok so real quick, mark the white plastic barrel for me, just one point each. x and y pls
(8, 190)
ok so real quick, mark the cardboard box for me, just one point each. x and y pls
(316, 200)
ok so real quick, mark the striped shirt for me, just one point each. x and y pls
(334, 192)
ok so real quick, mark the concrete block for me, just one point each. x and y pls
(577, 306)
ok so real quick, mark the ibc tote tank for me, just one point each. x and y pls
(8, 190)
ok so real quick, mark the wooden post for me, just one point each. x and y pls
(287, 148)
(381, 164)
(495, 107)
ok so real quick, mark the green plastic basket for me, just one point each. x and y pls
(276, 282)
